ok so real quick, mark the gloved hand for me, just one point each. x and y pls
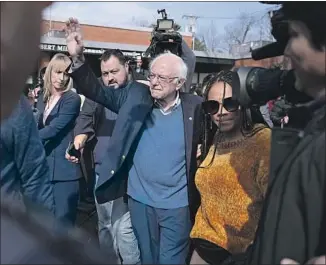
(279, 111)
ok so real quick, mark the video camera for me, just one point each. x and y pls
(256, 85)
(28, 86)
(132, 61)
(164, 38)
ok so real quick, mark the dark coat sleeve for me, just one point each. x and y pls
(85, 121)
(88, 85)
(189, 58)
(67, 114)
(30, 158)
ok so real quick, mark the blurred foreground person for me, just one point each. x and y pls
(293, 220)
(24, 169)
(27, 238)
(17, 37)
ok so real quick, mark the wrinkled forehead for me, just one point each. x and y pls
(165, 66)
(219, 89)
(112, 63)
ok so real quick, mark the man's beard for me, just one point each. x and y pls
(117, 86)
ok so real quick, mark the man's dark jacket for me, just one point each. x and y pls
(134, 103)
(293, 220)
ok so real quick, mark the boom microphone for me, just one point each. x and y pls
(268, 51)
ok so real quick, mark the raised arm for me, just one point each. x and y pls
(85, 80)
(87, 84)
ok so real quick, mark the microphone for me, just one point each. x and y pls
(268, 51)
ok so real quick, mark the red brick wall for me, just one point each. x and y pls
(107, 34)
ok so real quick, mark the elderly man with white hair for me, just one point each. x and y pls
(152, 152)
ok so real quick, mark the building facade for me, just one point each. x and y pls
(134, 41)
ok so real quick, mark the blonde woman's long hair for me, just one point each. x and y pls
(59, 63)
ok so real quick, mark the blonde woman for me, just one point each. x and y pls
(59, 107)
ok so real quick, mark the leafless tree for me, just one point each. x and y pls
(239, 31)
(211, 37)
(263, 27)
(248, 28)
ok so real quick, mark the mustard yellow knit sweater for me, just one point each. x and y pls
(232, 189)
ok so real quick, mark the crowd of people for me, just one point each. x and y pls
(176, 177)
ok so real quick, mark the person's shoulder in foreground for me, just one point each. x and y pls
(37, 244)
(24, 167)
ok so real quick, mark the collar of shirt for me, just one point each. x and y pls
(176, 103)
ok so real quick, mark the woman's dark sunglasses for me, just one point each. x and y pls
(212, 106)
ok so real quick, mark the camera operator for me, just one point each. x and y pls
(293, 221)
(166, 39)
(137, 72)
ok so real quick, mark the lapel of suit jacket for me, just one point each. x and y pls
(188, 120)
(56, 106)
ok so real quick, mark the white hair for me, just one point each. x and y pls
(183, 69)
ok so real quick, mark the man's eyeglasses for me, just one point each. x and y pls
(160, 78)
(212, 106)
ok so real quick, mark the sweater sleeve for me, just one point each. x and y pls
(263, 159)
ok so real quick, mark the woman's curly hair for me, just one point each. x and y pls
(211, 133)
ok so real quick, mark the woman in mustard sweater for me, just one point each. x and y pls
(232, 179)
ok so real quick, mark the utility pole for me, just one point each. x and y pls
(191, 27)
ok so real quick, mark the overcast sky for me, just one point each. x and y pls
(131, 13)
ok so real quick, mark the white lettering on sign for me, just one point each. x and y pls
(48, 47)
(131, 54)
(63, 48)
(94, 51)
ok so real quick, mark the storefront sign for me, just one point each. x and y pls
(63, 48)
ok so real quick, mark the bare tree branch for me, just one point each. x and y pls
(211, 37)
(263, 26)
(239, 31)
